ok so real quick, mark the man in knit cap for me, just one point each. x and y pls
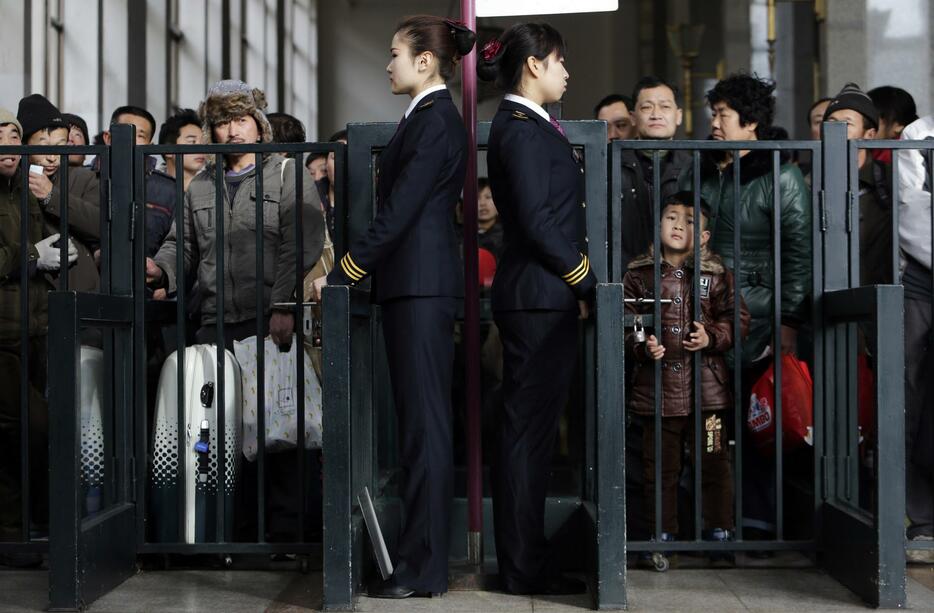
(41, 257)
(855, 108)
(233, 113)
(43, 124)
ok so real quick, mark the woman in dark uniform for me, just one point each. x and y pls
(411, 251)
(542, 285)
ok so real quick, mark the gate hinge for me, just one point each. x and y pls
(822, 208)
(850, 199)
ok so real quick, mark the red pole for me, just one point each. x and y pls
(472, 301)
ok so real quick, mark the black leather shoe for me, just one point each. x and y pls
(562, 585)
(389, 589)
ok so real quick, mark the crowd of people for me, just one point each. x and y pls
(742, 108)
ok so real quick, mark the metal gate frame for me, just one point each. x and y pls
(864, 551)
(92, 555)
(356, 437)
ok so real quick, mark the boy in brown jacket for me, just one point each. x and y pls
(681, 338)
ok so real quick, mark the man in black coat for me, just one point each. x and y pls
(656, 116)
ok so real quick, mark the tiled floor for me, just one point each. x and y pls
(793, 590)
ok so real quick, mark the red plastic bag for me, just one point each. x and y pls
(797, 406)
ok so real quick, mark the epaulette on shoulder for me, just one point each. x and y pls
(424, 106)
(520, 115)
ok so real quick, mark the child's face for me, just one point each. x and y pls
(48, 161)
(677, 231)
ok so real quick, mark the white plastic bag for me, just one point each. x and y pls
(281, 392)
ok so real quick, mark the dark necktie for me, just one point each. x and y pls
(557, 126)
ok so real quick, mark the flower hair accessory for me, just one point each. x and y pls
(491, 50)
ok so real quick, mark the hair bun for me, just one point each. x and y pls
(464, 37)
(488, 63)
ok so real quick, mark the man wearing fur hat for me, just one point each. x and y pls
(233, 113)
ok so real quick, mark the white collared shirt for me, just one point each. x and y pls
(526, 102)
(419, 98)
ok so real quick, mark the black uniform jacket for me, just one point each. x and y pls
(411, 248)
(538, 187)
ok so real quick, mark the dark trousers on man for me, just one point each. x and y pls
(419, 335)
(716, 474)
(539, 360)
(11, 448)
(919, 413)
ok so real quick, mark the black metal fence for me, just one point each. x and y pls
(25, 427)
(838, 499)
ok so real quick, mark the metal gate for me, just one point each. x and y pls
(360, 419)
(95, 551)
(858, 539)
(858, 533)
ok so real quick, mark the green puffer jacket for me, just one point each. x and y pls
(10, 263)
(756, 274)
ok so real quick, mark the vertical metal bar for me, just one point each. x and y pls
(929, 167)
(300, 337)
(777, 336)
(181, 314)
(472, 302)
(24, 349)
(337, 394)
(851, 422)
(817, 433)
(697, 359)
(896, 253)
(659, 334)
(739, 415)
(220, 399)
(120, 363)
(106, 230)
(616, 210)
(63, 222)
(260, 203)
(66, 571)
(852, 212)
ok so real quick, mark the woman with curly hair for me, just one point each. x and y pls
(742, 109)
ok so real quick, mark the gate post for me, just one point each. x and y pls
(610, 589)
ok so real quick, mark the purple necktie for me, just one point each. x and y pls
(557, 126)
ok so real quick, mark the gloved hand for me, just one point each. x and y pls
(50, 256)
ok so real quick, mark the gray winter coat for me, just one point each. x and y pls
(279, 257)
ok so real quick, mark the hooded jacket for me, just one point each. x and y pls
(717, 305)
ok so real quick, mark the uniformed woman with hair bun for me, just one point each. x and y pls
(542, 287)
(411, 251)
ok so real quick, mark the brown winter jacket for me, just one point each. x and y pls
(717, 300)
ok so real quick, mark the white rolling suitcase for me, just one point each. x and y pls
(92, 427)
(202, 491)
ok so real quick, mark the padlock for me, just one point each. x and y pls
(638, 334)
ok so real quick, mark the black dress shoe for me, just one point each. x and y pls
(389, 589)
(562, 585)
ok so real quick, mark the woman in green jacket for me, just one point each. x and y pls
(742, 109)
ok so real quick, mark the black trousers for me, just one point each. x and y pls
(919, 419)
(11, 487)
(419, 335)
(539, 358)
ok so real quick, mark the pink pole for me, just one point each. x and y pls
(472, 301)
